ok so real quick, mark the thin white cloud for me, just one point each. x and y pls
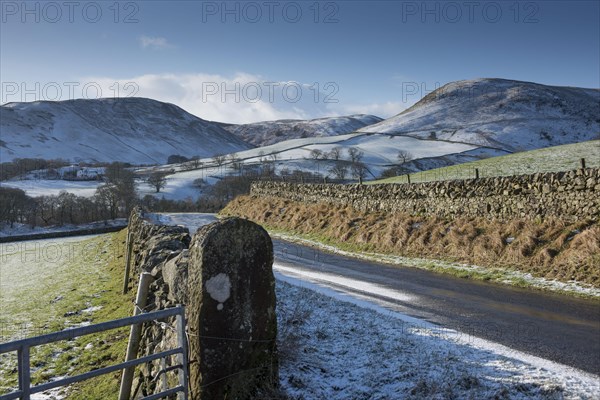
(154, 42)
(240, 98)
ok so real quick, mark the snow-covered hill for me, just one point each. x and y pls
(461, 122)
(499, 113)
(135, 130)
(271, 132)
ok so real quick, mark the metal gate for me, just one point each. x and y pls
(22, 347)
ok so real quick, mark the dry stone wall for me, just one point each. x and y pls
(571, 195)
(223, 275)
(153, 248)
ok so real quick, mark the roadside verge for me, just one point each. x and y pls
(552, 254)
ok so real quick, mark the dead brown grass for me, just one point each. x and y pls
(551, 249)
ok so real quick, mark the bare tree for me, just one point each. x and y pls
(357, 167)
(404, 156)
(200, 184)
(196, 162)
(158, 180)
(121, 185)
(267, 163)
(218, 159)
(339, 171)
(12, 205)
(315, 154)
(236, 162)
(359, 170)
(47, 209)
(355, 155)
(389, 173)
(335, 153)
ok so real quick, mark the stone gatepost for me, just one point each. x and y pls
(231, 311)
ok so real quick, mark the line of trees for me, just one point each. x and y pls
(21, 166)
(115, 198)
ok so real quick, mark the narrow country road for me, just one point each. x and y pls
(555, 327)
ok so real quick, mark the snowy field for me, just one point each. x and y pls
(47, 187)
(379, 153)
(336, 346)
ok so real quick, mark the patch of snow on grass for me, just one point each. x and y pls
(335, 346)
(90, 310)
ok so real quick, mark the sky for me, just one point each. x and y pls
(248, 61)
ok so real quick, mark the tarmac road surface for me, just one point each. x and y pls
(560, 328)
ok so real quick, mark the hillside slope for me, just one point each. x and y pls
(550, 159)
(135, 130)
(271, 132)
(504, 114)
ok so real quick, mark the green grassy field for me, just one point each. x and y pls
(551, 159)
(51, 285)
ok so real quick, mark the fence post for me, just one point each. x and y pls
(582, 163)
(129, 250)
(408, 177)
(164, 385)
(183, 358)
(24, 372)
(134, 335)
(476, 173)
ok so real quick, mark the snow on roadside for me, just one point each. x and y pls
(336, 346)
(508, 277)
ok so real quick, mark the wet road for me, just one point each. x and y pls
(554, 327)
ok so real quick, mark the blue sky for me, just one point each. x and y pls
(340, 56)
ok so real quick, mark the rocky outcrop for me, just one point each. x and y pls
(570, 195)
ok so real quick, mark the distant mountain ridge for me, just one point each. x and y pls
(270, 132)
(493, 116)
(499, 113)
(135, 130)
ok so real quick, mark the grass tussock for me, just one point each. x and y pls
(551, 249)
